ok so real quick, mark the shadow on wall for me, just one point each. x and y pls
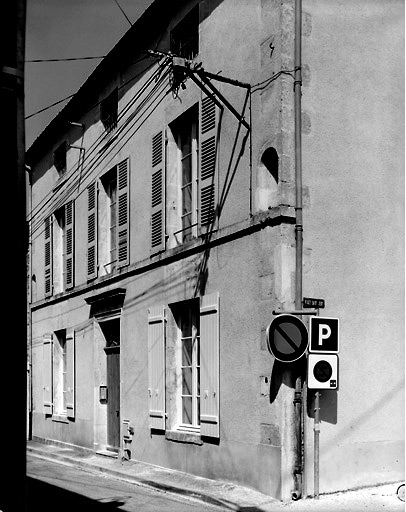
(328, 405)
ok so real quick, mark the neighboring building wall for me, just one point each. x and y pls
(353, 142)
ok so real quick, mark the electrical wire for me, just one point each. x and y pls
(62, 200)
(99, 157)
(49, 106)
(64, 60)
(71, 96)
(91, 150)
(96, 143)
(126, 17)
(40, 226)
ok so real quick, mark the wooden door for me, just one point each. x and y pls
(111, 331)
(113, 397)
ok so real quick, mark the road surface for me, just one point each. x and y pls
(53, 486)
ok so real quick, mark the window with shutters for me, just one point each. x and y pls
(60, 158)
(58, 374)
(59, 250)
(113, 220)
(187, 320)
(191, 178)
(183, 367)
(184, 153)
(109, 111)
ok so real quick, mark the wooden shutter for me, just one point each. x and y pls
(209, 365)
(70, 373)
(47, 373)
(156, 367)
(48, 256)
(158, 193)
(123, 230)
(207, 163)
(92, 231)
(69, 245)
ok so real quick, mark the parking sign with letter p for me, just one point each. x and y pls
(324, 335)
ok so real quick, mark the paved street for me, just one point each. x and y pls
(54, 486)
(61, 486)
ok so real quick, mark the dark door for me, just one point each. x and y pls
(111, 330)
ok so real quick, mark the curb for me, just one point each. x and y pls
(149, 484)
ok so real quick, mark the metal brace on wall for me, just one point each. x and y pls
(202, 79)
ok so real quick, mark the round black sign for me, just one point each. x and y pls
(322, 371)
(287, 338)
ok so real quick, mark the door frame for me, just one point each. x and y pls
(100, 319)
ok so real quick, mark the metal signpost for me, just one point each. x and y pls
(322, 372)
(288, 340)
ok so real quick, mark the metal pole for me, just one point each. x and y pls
(316, 443)
(299, 237)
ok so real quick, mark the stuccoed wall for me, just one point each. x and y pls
(251, 427)
(353, 143)
(253, 274)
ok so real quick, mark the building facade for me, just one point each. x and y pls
(163, 227)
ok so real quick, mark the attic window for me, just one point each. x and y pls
(185, 36)
(109, 110)
(60, 158)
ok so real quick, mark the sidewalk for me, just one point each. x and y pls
(223, 494)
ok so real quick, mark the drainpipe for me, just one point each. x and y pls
(298, 470)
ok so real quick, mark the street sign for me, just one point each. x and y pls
(313, 303)
(322, 371)
(324, 335)
(287, 338)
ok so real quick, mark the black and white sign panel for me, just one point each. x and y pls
(322, 371)
(324, 335)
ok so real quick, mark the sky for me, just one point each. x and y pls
(65, 29)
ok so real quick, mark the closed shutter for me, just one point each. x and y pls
(48, 256)
(92, 231)
(158, 193)
(69, 245)
(47, 373)
(209, 365)
(207, 163)
(156, 367)
(70, 373)
(123, 230)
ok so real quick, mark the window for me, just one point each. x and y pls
(187, 319)
(108, 222)
(185, 134)
(109, 182)
(60, 158)
(58, 373)
(184, 178)
(183, 366)
(185, 36)
(59, 250)
(109, 111)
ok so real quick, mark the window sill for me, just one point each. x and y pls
(60, 418)
(183, 437)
